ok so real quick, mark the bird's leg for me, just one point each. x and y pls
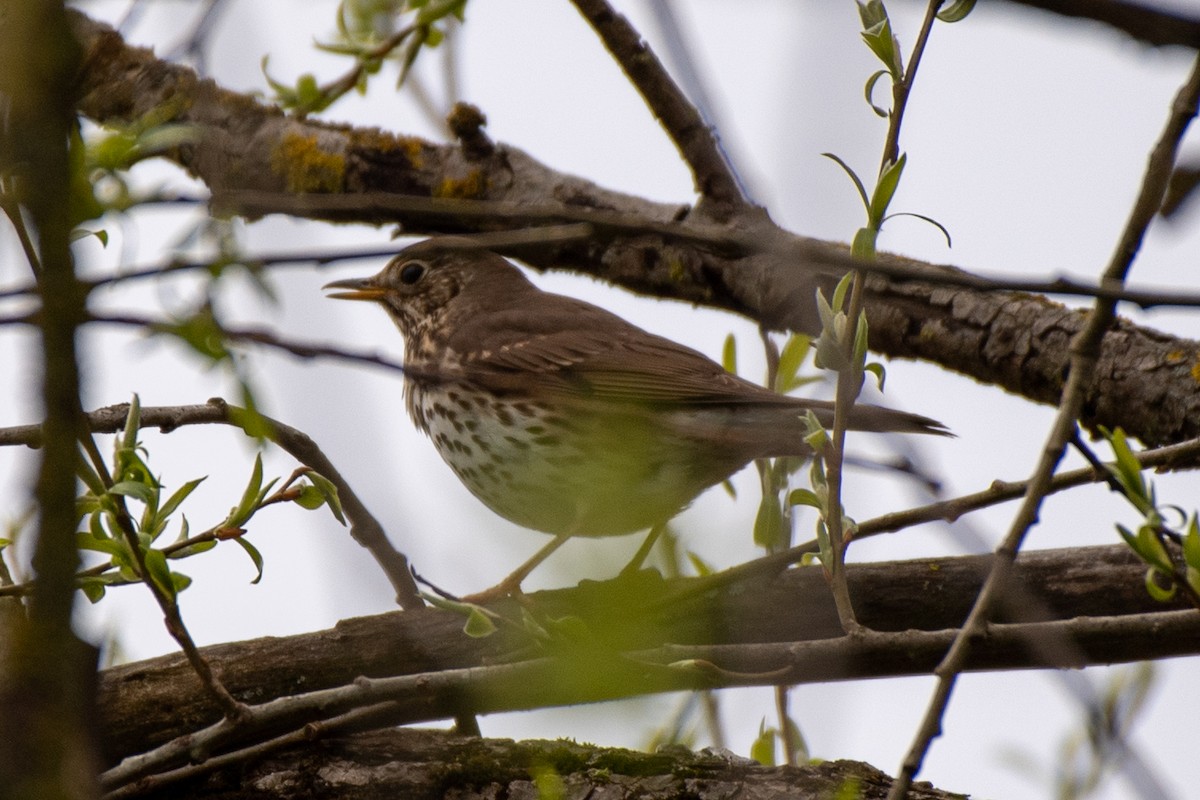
(512, 584)
(635, 563)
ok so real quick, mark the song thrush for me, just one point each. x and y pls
(563, 417)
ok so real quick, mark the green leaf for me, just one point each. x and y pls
(815, 435)
(791, 359)
(255, 556)
(769, 529)
(702, 567)
(861, 334)
(1191, 543)
(863, 245)
(478, 625)
(160, 573)
(876, 369)
(180, 494)
(193, 549)
(1159, 593)
(83, 233)
(869, 91)
(411, 50)
(133, 423)
(762, 749)
(885, 191)
(800, 751)
(882, 43)
(202, 333)
(91, 479)
(99, 544)
(250, 420)
(250, 497)
(330, 494)
(93, 588)
(871, 12)
(858, 184)
(843, 288)
(923, 218)
(729, 354)
(1193, 578)
(805, 497)
(180, 581)
(957, 11)
(310, 497)
(436, 10)
(1151, 549)
(138, 491)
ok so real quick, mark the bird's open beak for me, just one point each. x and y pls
(356, 289)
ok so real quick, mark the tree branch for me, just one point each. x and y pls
(713, 177)
(1012, 340)
(365, 529)
(420, 764)
(147, 704)
(1146, 24)
(1085, 355)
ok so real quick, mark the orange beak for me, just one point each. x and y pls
(356, 289)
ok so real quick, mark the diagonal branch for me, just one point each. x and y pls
(365, 529)
(1012, 340)
(1142, 22)
(697, 143)
(1085, 355)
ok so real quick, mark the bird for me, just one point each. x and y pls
(563, 417)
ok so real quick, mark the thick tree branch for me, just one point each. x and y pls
(1147, 383)
(431, 764)
(1146, 24)
(148, 703)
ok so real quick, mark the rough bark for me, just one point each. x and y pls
(149, 702)
(424, 765)
(256, 160)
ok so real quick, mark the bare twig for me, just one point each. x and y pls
(1138, 19)
(1085, 351)
(683, 59)
(713, 177)
(365, 529)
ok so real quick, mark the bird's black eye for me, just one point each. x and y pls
(412, 272)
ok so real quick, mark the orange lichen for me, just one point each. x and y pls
(468, 186)
(305, 167)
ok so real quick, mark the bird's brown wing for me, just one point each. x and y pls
(622, 365)
(583, 352)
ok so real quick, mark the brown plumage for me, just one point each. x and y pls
(563, 417)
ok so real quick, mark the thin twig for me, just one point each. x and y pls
(1185, 455)
(1084, 355)
(713, 177)
(1138, 19)
(683, 59)
(902, 87)
(365, 529)
(850, 380)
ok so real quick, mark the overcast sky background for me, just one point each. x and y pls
(1026, 137)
